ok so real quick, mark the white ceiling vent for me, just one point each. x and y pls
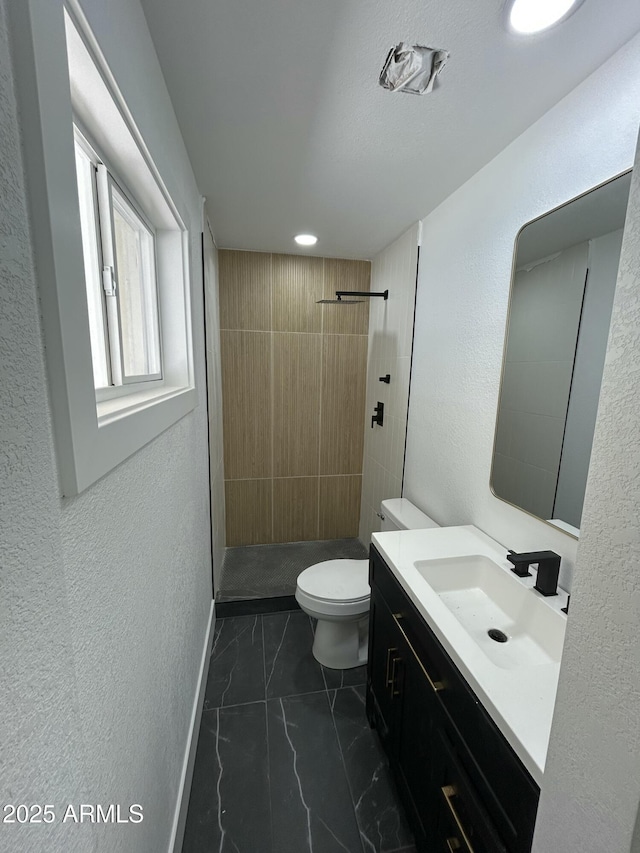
(412, 69)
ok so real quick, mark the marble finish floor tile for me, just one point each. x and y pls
(310, 800)
(337, 678)
(290, 668)
(380, 818)
(286, 762)
(229, 809)
(236, 668)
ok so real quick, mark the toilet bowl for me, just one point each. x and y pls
(337, 593)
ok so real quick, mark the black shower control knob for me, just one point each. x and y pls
(378, 415)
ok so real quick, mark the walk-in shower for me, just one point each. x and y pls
(293, 374)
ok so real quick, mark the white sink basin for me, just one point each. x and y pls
(459, 581)
(483, 596)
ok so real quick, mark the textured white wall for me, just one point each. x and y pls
(105, 597)
(41, 741)
(390, 340)
(591, 788)
(463, 289)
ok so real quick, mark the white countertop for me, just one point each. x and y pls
(520, 701)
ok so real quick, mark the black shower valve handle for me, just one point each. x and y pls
(378, 417)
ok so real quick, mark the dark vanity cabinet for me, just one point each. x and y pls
(463, 787)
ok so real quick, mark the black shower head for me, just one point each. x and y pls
(338, 301)
(341, 293)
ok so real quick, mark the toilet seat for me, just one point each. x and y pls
(335, 587)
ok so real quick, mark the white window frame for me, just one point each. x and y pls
(94, 436)
(105, 183)
(112, 196)
(93, 265)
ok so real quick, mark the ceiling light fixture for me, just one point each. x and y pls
(532, 16)
(306, 239)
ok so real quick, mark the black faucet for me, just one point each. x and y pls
(548, 569)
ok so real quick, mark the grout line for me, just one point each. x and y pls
(292, 477)
(321, 395)
(236, 705)
(344, 769)
(284, 332)
(264, 658)
(296, 695)
(249, 331)
(272, 395)
(346, 335)
(268, 744)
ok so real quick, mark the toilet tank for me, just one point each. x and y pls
(401, 514)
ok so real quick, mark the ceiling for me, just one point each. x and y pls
(289, 132)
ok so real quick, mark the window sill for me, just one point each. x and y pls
(112, 409)
(119, 428)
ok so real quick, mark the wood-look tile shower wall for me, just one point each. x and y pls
(293, 386)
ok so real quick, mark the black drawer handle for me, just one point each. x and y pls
(436, 685)
(392, 682)
(449, 792)
(387, 677)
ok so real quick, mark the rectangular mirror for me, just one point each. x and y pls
(562, 287)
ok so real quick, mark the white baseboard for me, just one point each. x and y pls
(180, 817)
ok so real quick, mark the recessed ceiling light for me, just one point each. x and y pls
(306, 240)
(532, 16)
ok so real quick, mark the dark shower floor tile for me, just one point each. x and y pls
(299, 773)
(266, 571)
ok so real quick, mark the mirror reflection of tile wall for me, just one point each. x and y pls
(293, 387)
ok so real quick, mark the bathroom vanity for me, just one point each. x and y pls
(465, 726)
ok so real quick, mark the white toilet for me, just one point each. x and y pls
(336, 593)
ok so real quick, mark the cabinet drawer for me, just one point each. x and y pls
(463, 824)
(507, 791)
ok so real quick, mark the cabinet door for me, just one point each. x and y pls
(419, 761)
(382, 672)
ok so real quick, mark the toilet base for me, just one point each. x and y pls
(341, 644)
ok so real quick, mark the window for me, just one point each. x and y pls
(119, 250)
(116, 241)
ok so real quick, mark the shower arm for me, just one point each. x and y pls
(367, 293)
